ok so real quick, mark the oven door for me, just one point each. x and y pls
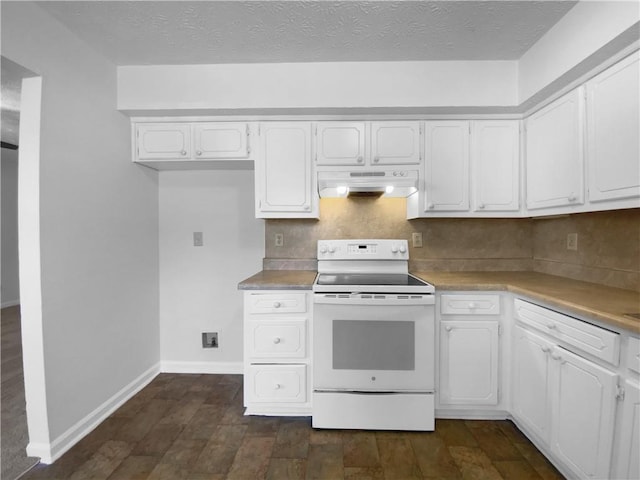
(373, 343)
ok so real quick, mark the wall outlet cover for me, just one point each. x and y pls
(416, 239)
(572, 241)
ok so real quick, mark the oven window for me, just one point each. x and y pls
(373, 345)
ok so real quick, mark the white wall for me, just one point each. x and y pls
(10, 293)
(585, 29)
(98, 221)
(317, 85)
(198, 285)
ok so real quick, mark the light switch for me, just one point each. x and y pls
(198, 240)
(416, 239)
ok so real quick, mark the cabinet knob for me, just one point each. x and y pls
(481, 206)
(276, 304)
(572, 197)
(376, 159)
(183, 153)
(545, 349)
(472, 305)
(307, 208)
(198, 153)
(551, 326)
(276, 340)
(430, 206)
(277, 386)
(448, 328)
(556, 356)
(360, 159)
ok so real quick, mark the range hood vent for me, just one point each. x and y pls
(396, 183)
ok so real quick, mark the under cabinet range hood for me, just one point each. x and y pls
(393, 183)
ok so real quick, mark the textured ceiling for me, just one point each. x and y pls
(202, 32)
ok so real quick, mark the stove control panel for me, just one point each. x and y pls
(363, 250)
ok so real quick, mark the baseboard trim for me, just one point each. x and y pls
(10, 303)
(201, 367)
(49, 453)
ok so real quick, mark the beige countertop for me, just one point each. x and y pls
(279, 280)
(607, 304)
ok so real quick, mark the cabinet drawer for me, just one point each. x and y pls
(470, 304)
(633, 354)
(277, 303)
(278, 339)
(597, 341)
(277, 383)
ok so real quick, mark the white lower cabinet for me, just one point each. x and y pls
(469, 362)
(531, 401)
(277, 357)
(628, 450)
(583, 407)
(566, 401)
(469, 351)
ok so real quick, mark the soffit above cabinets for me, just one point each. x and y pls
(196, 32)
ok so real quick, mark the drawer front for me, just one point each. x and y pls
(277, 384)
(277, 302)
(633, 354)
(277, 339)
(470, 304)
(597, 341)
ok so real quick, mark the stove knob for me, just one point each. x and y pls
(332, 249)
(323, 249)
(403, 249)
(394, 249)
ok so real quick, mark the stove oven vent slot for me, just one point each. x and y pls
(380, 297)
(403, 297)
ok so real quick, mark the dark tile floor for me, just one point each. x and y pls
(192, 427)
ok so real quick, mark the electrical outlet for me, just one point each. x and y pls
(209, 339)
(198, 239)
(416, 239)
(279, 239)
(572, 241)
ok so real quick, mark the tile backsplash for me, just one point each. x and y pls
(608, 247)
(608, 242)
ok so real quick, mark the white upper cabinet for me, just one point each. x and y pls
(161, 141)
(340, 143)
(285, 183)
(221, 140)
(613, 149)
(555, 153)
(395, 143)
(495, 165)
(446, 166)
(368, 143)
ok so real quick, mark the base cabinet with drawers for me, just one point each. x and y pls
(469, 350)
(565, 387)
(277, 363)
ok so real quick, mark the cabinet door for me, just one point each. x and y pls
(495, 157)
(531, 381)
(340, 143)
(613, 123)
(159, 141)
(555, 153)
(446, 166)
(469, 362)
(221, 140)
(628, 454)
(283, 171)
(583, 399)
(395, 143)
